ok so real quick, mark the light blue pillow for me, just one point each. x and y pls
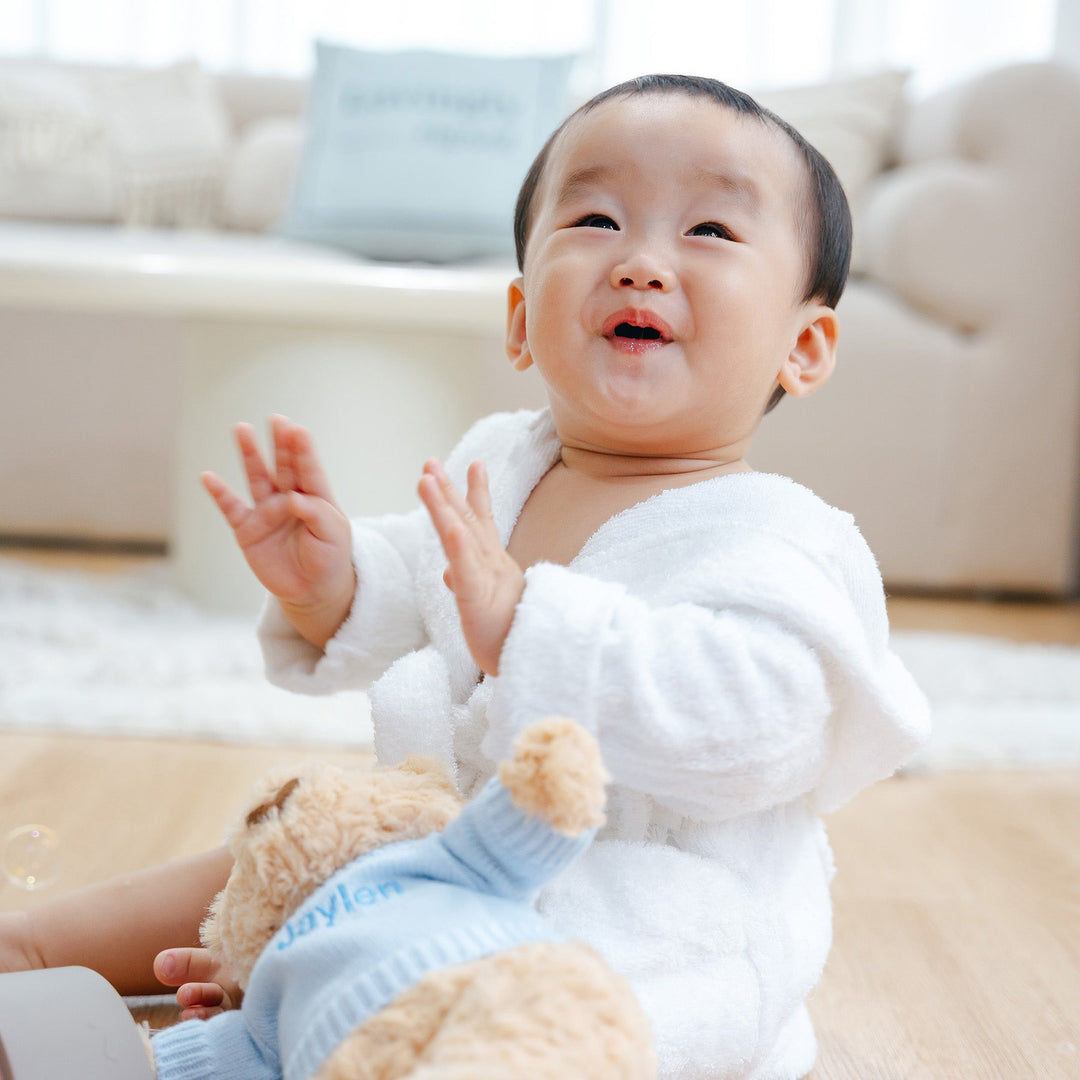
(419, 155)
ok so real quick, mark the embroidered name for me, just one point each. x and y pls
(342, 901)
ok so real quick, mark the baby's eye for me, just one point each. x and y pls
(711, 228)
(596, 221)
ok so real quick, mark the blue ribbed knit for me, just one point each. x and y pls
(373, 930)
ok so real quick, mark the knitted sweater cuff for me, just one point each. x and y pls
(207, 1049)
(514, 852)
(183, 1052)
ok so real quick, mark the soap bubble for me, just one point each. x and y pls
(31, 858)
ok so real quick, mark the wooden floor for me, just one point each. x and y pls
(957, 896)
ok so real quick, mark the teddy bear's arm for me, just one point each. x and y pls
(219, 1049)
(535, 818)
(496, 847)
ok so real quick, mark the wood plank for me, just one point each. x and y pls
(1017, 619)
(121, 804)
(957, 896)
(957, 930)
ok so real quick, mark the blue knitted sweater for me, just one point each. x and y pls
(370, 932)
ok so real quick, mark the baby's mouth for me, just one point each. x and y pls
(640, 333)
(635, 330)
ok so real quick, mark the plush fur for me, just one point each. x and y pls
(302, 828)
(544, 1011)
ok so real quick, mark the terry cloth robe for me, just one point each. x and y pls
(371, 931)
(727, 643)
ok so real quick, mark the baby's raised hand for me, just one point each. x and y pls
(295, 538)
(485, 580)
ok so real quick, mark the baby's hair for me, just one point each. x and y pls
(824, 218)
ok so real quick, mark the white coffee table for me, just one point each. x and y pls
(386, 363)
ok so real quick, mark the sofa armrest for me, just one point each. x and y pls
(936, 233)
(1001, 117)
(984, 191)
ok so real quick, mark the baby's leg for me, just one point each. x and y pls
(117, 927)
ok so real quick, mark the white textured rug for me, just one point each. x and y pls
(995, 702)
(99, 655)
(92, 654)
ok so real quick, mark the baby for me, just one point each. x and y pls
(615, 558)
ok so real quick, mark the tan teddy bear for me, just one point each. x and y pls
(382, 929)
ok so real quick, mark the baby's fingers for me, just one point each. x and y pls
(448, 492)
(234, 509)
(194, 971)
(173, 967)
(298, 466)
(323, 519)
(472, 510)
(479, 496)
(260, 481)
(200, 1001)
(445, 516)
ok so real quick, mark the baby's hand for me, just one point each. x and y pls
(485, 580)
(295, 538)
(204, 989)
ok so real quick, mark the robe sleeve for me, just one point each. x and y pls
(750, 695)
(383, 623)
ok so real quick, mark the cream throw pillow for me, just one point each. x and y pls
(55, 160)
(85, 144)
(260, 174)
(170, 136)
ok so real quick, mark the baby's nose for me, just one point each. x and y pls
(655, 283)
(642, 272)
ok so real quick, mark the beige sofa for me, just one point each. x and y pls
(951, 429)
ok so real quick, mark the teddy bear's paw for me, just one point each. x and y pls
(557, 775)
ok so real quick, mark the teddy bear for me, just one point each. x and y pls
(381, 927)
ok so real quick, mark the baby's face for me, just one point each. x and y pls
(663, 274)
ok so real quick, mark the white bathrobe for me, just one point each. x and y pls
(727, 642)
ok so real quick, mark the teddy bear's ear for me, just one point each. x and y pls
(276, 802)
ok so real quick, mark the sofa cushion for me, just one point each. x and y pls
(170, 135)
(55, 160)
(97, 144)
(260, 174)
(419, 155)
(853, 122)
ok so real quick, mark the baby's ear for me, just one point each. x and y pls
(517, 346)
(813, 356)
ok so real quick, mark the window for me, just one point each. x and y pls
(754, 44)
